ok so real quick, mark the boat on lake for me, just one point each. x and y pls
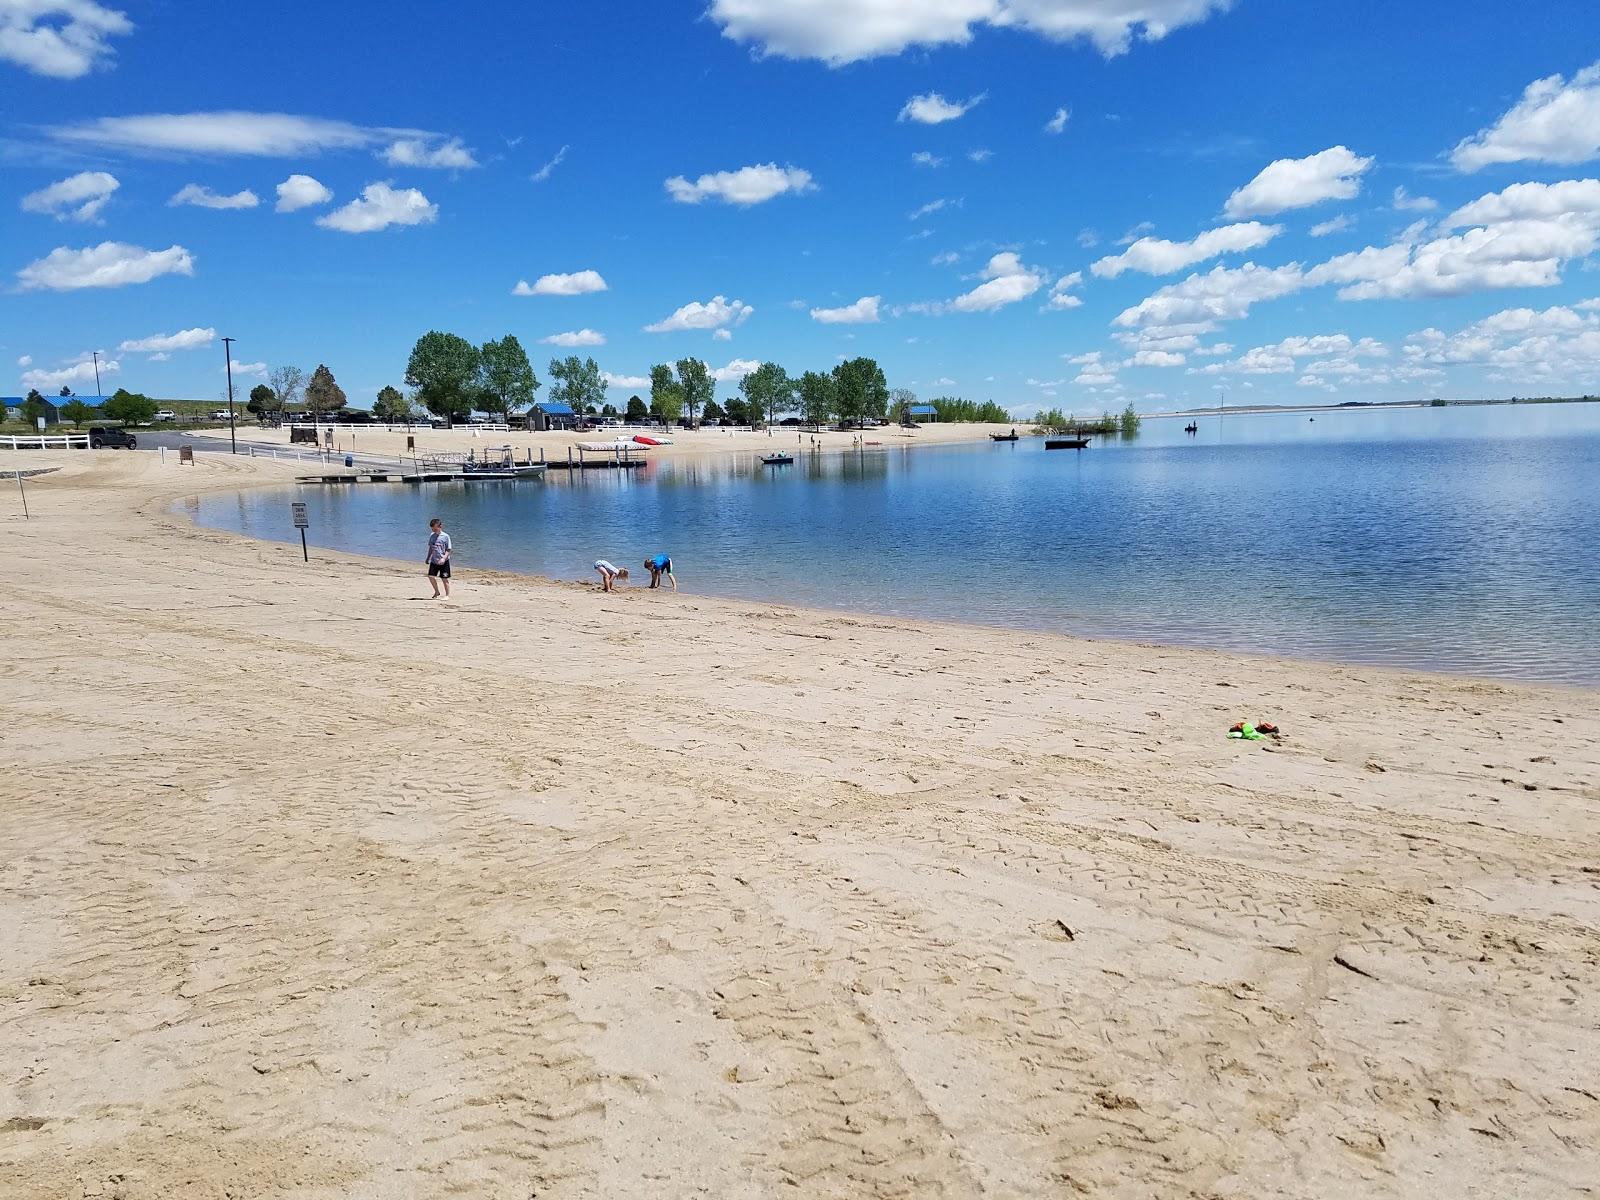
(1077, 443)
(1004, 437)
(777, 460)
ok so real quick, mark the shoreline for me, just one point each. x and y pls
(996, 626)
(320, 890)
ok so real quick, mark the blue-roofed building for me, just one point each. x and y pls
(922, 412)
(551, 414)
(52, 406)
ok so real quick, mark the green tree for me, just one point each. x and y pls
(698, 387)
(34, 407)
(287, 384)
(263, 400)
(65, 391)
(637, 409)
(608, 409)
(323, 395)
(76, 411)
(862, 391)
(577, 383)
(1128, 422)
(818, 397)
(900, 402)
(738, 410)
(393, 406)
(666, 394)
(444, 369)
(131, 408)
(508, 378)
(713, 411)
(769, 391)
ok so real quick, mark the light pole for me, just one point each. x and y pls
(227, 352)
(96, 372)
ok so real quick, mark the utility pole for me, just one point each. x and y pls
(96, 372)
(227, 352)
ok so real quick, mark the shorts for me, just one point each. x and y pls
(442, 570)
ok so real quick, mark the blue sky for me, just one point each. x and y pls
(1044, 202)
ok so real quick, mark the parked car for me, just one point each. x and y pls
(166, 414)
(102, 437)
(220, 415)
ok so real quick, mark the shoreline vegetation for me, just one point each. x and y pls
(522, 889)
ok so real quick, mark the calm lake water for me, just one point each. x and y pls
(1463, 539)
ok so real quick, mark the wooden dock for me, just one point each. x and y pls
(351, 477)
(595, 464)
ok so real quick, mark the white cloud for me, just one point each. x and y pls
(1157, 256)
(933, 206)
(1530, 201)
(735, 370)
(1404, 201)
(1224, 294)
(845, 31)
(746, 186)
(631, 382)
(1556, 343)
(197, 196)
(110, 264)
(1339, 355)
(78, 197)
(25, 361)
(1006, 280)
(244, 368)
(61, 39)
(863, 311)
(421, 152)
(925, 158)
(80, 371)
(273, 135)
(577, 283)
(1518, 237)
(934, 109)
(1061, 292)
(715, 313)
(1058, 122)
(1332, 174)
(1156, 358)
(1334, 225)
(544, 172)
(944, 258)
(301, 191)
(722, 335)
(981, 155)
(1554, 122)
(380, 207)
(576, 337)
(161, 356)
(159, 343)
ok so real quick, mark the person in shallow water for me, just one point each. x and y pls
(609, 574)
(659, 565)
(438, 558)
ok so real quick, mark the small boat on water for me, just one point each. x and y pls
(777, 460)
(499, 463)
(1003, 437)
(1065, 443)
(1191, 427)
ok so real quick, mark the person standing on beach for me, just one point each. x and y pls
(659, 565)
(438, 558)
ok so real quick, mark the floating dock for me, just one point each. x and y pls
(349, 477)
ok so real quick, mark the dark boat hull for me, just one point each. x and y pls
(1065, 443)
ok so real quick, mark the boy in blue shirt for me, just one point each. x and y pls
(659, 565)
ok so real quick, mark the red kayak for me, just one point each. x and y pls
(644, 440)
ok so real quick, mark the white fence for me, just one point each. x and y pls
(40, 441)
(498, 427)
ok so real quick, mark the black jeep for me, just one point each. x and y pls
(102, 437)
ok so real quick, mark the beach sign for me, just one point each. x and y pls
(301, 522)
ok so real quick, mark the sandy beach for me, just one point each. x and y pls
(314, 888)
(425, 440)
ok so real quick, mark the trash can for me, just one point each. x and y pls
(349, 460)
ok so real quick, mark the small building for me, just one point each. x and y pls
(922, 412)
(52, 412)
(550, 414)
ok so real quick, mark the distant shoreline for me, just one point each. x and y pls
(1362, 406)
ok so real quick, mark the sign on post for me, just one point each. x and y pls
(301, 522)
(186, 455)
